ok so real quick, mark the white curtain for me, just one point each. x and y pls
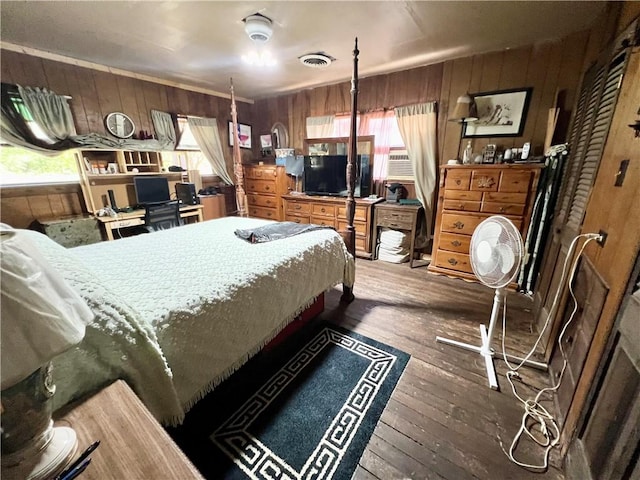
(165, 130)
(205, 131)
(417, 125)
(50, 112)
(320, 127)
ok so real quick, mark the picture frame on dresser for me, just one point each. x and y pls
(501, 113)
(244, 134)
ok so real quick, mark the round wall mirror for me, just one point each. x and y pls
(281, 135)
(119, 125)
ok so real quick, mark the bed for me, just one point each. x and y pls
(178, 311)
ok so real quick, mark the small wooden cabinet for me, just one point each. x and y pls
(265, 185)
(468, 194)
(332, 211)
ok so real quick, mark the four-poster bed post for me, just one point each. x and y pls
(349, 235)
(241, 196)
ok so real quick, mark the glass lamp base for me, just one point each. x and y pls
(32, 464)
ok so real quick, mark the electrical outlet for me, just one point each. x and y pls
(603, 238)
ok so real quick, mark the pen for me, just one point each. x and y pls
(82, 456)
(77, 470)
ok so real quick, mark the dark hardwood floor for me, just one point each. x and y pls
(442, 421)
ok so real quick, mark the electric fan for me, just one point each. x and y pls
(496, 252)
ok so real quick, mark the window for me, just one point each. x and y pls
(19, 166)
(189, 160)
(186, 140)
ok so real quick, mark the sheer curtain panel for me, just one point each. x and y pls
(320, 127)
(417, 125)
(205, 131)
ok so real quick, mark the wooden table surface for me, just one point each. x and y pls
(133, 445)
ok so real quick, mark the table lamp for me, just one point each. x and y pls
(41, 318)
(464, 112)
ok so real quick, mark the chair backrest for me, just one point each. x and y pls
(162, 216)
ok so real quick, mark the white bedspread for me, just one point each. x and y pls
(178, 311)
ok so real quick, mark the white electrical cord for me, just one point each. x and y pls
(532, 408)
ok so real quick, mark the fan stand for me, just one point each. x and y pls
(487, 336)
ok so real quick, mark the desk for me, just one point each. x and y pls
(397, 217)
(135, 218)
(133, 445)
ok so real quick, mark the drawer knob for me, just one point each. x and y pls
(298, 207)
(322, 210)
(452, 261)
(456, 243)
(502, 209)
(461, 206)
(267, 187)
(459, 225)
(458, 182)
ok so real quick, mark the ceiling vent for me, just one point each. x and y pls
(258, 27)
(316, 60)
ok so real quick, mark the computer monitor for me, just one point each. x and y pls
(151, 189)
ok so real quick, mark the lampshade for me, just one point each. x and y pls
(41, 315)
(465, 110)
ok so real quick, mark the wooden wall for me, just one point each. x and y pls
(552, 69)
(96, 93)
(19, 206)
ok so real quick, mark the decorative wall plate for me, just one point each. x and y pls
(119, 125)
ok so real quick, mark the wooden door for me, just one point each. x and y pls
(590, 128)
(608, 442)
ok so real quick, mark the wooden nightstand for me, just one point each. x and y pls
(132, 442)
(396, 216)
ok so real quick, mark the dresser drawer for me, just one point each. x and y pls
(503, 208)
(260, 186)
(327, 221)
(505, 197)
(454, 243)
(462, 205)
(402, 220)
(262, 200)
(457, 180)
(319, 209)
(296, 219)
(453, 261)
(298, 208)
(263, 212)
(460, 223)
(485, 180)
(360, 213)
(515, 181)
(360, 227)
(260, 172)
(462, 195)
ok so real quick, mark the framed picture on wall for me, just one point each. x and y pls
(244, 134)
(500, 114)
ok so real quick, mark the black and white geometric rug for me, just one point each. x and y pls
(308, 415)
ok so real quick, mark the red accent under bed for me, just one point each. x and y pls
(312, 311)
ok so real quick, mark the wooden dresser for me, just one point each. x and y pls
(264, 186)
(467, 195)
(332, 211)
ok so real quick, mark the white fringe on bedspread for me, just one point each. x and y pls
(178, 311)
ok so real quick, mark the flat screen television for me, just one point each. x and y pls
(327, 175)
(151, 189)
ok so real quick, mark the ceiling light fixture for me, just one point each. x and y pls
(259, 59)
(258, 27)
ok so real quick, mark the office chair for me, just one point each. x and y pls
(162, 216)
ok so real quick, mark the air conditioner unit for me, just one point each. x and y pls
(399, 167)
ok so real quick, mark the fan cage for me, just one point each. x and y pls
(496, 251)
